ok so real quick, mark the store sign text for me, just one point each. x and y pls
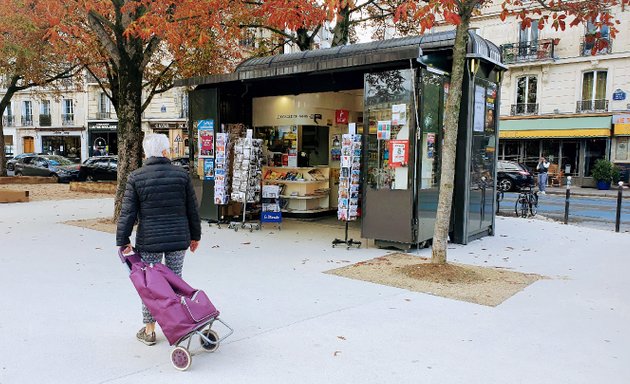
(313, 116)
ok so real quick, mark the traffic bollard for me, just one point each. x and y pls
(566, 201)
(619, 198)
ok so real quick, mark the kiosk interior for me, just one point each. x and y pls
(394, 91)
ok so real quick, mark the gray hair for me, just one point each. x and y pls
(154, 143)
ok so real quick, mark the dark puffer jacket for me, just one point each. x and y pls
(161, 196)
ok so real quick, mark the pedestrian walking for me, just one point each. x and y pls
(160, 197)
(543, 169)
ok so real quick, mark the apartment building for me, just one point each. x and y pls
(562, 98)
(79, 123)
(43, 121)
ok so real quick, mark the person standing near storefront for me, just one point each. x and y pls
(542, 168)
(160, 196)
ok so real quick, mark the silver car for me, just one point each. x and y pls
(57, 167)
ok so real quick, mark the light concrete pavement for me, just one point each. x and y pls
(68, 312)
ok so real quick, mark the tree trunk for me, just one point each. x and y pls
(129, 113)
(3, 106)
(342, 28)
(3, 156)
(304, 40)
(451, 122)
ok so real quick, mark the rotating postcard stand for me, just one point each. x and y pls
(222, 176)
(244, 224)
(349, 182)
(246, 179)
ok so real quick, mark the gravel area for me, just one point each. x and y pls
(38, 192)
(480, 285)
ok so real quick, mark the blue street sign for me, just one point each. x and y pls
(619, 95)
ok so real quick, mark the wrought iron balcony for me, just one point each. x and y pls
(8, 121)
(27, 120)
(528, 51)
(595, 105)
(592, 45)
(45, 120)
(67, 119)
(104, 116)
(524, 109)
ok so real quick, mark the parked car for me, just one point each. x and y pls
(57, 167)
(99, 168)
(183, 162)
(512, 176)
(11, 162)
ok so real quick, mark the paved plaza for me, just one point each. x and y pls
(69, 313)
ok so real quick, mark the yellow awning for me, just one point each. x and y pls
(554, 133)
(622, 129)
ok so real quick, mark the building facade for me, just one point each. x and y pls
(79, 123)
(46, 122)
(564, 96)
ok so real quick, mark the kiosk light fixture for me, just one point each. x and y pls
(474, 66)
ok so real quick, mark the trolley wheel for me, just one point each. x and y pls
(213, 336)
(181, 359)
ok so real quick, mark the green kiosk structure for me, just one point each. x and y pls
(392, 93)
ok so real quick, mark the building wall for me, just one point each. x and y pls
(58, 127)
(560, 89)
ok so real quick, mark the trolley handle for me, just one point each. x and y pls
(128, 259)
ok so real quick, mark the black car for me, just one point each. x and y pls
(183, 162)
(99, 168)
(11, 162)
(57, 167)
(512, 176)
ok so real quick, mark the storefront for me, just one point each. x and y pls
(392, 93)
(620, 154)
(176, 131)
(102, 138)
(9, 148)
(572, 144)
(67, 142)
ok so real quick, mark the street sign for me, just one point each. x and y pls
(619, 95)
(178, 139)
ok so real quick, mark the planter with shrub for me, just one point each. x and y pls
(605, 172)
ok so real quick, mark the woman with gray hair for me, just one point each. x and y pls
(161, 198)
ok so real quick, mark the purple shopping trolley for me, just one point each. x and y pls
(181, 310)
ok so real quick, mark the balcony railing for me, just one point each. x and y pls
(592, 46)
(524, 109)
(27, 120)
(8, 121)
(45, 120)
(104, 116)
(596, 105)
(528, 51)
(67, 119)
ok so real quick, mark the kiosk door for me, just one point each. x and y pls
(433, 90)
(388, 214)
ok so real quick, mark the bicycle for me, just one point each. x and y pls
(527, 201)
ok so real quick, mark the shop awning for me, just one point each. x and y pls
(621, 124)
(349, 56)
(592, 126)
(622, 129)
